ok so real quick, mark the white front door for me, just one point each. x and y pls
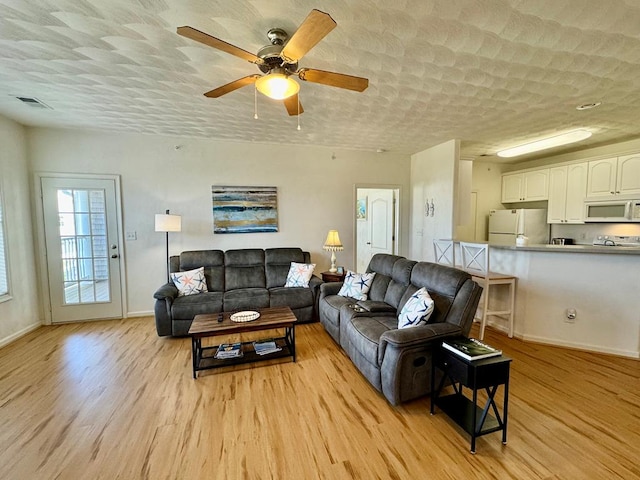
(82, 248)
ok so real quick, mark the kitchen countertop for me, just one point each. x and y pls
(572, 249)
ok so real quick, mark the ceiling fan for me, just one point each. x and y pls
(279, 61)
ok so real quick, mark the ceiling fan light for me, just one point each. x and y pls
(549, 142)
(277, 86)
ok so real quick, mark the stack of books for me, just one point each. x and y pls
(265, 347)
(470, 348)
(229, 350)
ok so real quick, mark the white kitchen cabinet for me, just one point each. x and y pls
(525, 186)
(628, 177)
(567, 189)
(612, 177)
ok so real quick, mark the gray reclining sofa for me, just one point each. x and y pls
(397, 362)
(243, 279)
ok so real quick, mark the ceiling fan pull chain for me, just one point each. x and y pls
(298, 112)
(255, 103)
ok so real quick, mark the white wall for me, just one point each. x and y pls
(487, 183)
(21, 313)
(433, 176)
(315, 192)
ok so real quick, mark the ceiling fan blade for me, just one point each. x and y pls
(314, 28)
(340, 80)
(230, 87)
(214, 42)
(291, 104)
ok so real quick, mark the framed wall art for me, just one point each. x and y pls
(244, 209)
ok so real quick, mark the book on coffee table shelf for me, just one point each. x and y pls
(266, 346)
(229, 350)
(470, 348)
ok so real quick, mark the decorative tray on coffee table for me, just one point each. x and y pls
(245, 316)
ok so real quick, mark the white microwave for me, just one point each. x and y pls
(612, 211)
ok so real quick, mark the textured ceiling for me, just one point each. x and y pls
(493, 73)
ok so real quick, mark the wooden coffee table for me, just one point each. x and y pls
(209, 326)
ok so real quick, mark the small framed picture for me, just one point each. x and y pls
(340, 270)
(361, 208)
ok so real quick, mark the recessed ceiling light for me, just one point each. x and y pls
(543, 144)
(588, 106)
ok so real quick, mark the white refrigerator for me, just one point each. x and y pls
(506, 225)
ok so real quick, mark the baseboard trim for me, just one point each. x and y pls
(581, 346)
(148, 313)
(21, 333)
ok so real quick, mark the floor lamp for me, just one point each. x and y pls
(166, 222)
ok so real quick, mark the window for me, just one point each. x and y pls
(4, 267)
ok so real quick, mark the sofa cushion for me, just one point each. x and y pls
(364, 334)
(190, 282)
(417, 310)
(185, 308)
(443, 284)
(244, 269)
(246, 299)
(400, 279)
(299, 274)
(211, 260)
(382, 264)
(278, 261)
(294, 297)
(356, 285)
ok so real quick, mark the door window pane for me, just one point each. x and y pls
(83, 241)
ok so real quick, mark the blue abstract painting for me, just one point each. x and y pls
(244, 209)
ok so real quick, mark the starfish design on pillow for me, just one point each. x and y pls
(417, 310)
(356, 285)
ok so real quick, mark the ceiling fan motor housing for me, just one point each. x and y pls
(271, 53)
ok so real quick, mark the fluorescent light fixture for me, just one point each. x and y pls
(277, 86)
(549, 142)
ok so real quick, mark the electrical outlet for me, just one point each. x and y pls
(131, 236)
(571, 315)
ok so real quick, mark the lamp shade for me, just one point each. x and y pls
(168, 223)
(277, 86)
(333, 243)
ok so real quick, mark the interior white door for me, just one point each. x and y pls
(82, 248)
(381, 224)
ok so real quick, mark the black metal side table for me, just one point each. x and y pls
(487, 374)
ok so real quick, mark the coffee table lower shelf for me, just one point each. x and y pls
(204, 357)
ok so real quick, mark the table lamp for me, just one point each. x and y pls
(166, 222)
(333, 244)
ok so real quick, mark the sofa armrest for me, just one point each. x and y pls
(168, 290)
(314, 283)
(330, 288)
(409, 337)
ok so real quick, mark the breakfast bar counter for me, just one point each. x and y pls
(599, 283)
(615, 250)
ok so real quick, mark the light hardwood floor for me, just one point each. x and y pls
(111, 400)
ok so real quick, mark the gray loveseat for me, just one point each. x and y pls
(397, 362)
(243, 279)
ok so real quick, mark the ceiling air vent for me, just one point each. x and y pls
(33, 102)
